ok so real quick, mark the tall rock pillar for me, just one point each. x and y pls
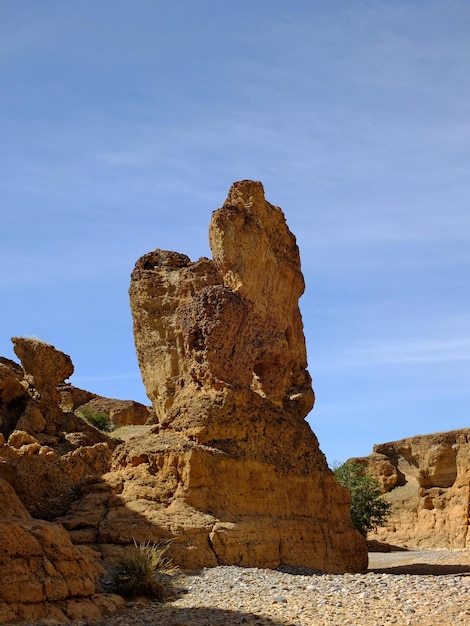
(221, 349)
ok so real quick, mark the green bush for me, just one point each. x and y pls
(99, 420)
(368, 507)
(144, 571)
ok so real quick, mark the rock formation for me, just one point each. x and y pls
(427, 481)
(226, 467)
(43, 575)
(232, 471)
(119, 412)
(46, 455)
(49, 452)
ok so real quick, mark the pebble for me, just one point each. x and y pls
(259, 597)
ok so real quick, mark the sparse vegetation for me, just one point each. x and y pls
(98, 419)
(145, 571)
(368, 508)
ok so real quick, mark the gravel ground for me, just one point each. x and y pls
(401, 588)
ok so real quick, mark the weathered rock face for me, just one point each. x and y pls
(427, 481)
(120, 412)
(44, 366)
(222, 353)
(48, 452)
(46, 456)
(29, 399)
(43, 575)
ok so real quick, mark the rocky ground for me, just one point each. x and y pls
(403, 588)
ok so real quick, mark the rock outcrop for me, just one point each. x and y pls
(45, 457)
(120, 412)
(233, 473)
(225, 466)
(426, 479)
(49, 452)
(43, 575)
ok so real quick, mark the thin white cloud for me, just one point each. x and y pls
(413, 351)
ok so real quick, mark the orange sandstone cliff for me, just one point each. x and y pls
(426, 479)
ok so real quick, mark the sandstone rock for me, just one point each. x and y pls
(20, 438)
(42, 572)
(47, 482)
(36, 409)
(10, 386)
(231, 472)
(32, 419)
(44, 366)
(72, 397)
(120, 412)
(222, 353)
(45, 578)
(14, 368)
(381, 468)
(427, 481)
(13, 396)
(49, 452)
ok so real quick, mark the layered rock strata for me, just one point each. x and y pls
(233, 473)
(426, 479)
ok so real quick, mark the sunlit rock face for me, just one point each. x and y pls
(222, 353)
(426, 479)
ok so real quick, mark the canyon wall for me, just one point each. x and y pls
(426, 479)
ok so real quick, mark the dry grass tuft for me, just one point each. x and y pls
(145, 571)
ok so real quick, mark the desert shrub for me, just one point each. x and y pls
(368, 508)
(98, 419)
(144, 571)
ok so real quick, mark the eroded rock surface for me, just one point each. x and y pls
(231, 472)
(43, 575)
(47, 457)
(427, 481)
(222, 353)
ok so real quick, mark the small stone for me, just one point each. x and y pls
(279, 599)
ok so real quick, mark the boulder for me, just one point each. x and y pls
(426, 479)
(44, 366)
(232, 472)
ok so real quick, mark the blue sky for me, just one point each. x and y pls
(124, 123)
